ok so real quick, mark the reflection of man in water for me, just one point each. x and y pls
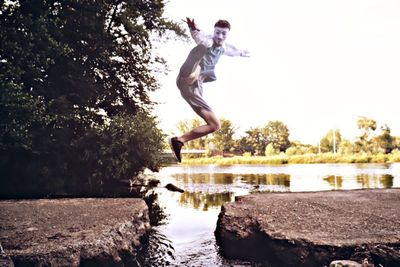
(198, 69)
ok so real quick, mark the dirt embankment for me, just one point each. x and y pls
(312, 229)
(72, 232)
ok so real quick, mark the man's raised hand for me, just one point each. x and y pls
(191, 24)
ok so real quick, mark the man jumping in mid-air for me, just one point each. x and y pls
(198, 69)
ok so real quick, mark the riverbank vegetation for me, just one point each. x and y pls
(271, 145)
(295, 159)
(74, 106)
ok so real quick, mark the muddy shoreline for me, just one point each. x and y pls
(314, 228)
(277, 229)
(72, 232)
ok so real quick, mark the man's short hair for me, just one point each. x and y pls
(223, 24)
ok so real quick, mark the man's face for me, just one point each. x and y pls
(220, 35)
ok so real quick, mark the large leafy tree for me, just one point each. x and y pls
(396, 142)
(277, 134)
(254, 141)
(366, 126)
(331, 141)
(383, 143)
(74, 78)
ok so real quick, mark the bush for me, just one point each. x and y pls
(270, 150)
(379, 158)
(296, 150)
(247, 154)
(394, 156)
(299, 159)
(84, 165)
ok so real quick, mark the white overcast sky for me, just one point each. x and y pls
(315, 65)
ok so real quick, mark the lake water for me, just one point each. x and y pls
(186, 236)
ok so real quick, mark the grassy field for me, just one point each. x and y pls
(295, 159)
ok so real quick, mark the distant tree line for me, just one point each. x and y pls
(273, 139)
(74, 106)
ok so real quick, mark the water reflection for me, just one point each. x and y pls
(386, 180)
(335, 182)
(205, 190)
(187, 237)
(266, 179)
(375, 181)
(229, 179)
(204, 201)
(204, 178)
(212, 190)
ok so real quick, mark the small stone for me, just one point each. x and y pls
(344, 263)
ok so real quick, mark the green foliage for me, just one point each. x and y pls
(331, 141)
(271, 139)
(254, 142)
(257, 139)
(380, 158)
(293, 151)
(74, 79)
(120, 150)
(270, 150)
(223, 138)
(365, 124)
(384, 142)
(394, 156)
(296, 148)
(396, 142)
(346, 147)
(277, 134)
(297, 159)
(367, 127)
(186, 126)
(273, 160)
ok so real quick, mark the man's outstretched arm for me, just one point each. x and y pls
(235, 52)
(198, 35)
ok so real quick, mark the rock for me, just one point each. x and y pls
(73, 232)
(312, 229)
(174, 188)
(348, 263)
(153, 183)
(344, 263)
(5, 261)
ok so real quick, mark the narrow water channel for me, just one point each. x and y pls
(186, 236)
